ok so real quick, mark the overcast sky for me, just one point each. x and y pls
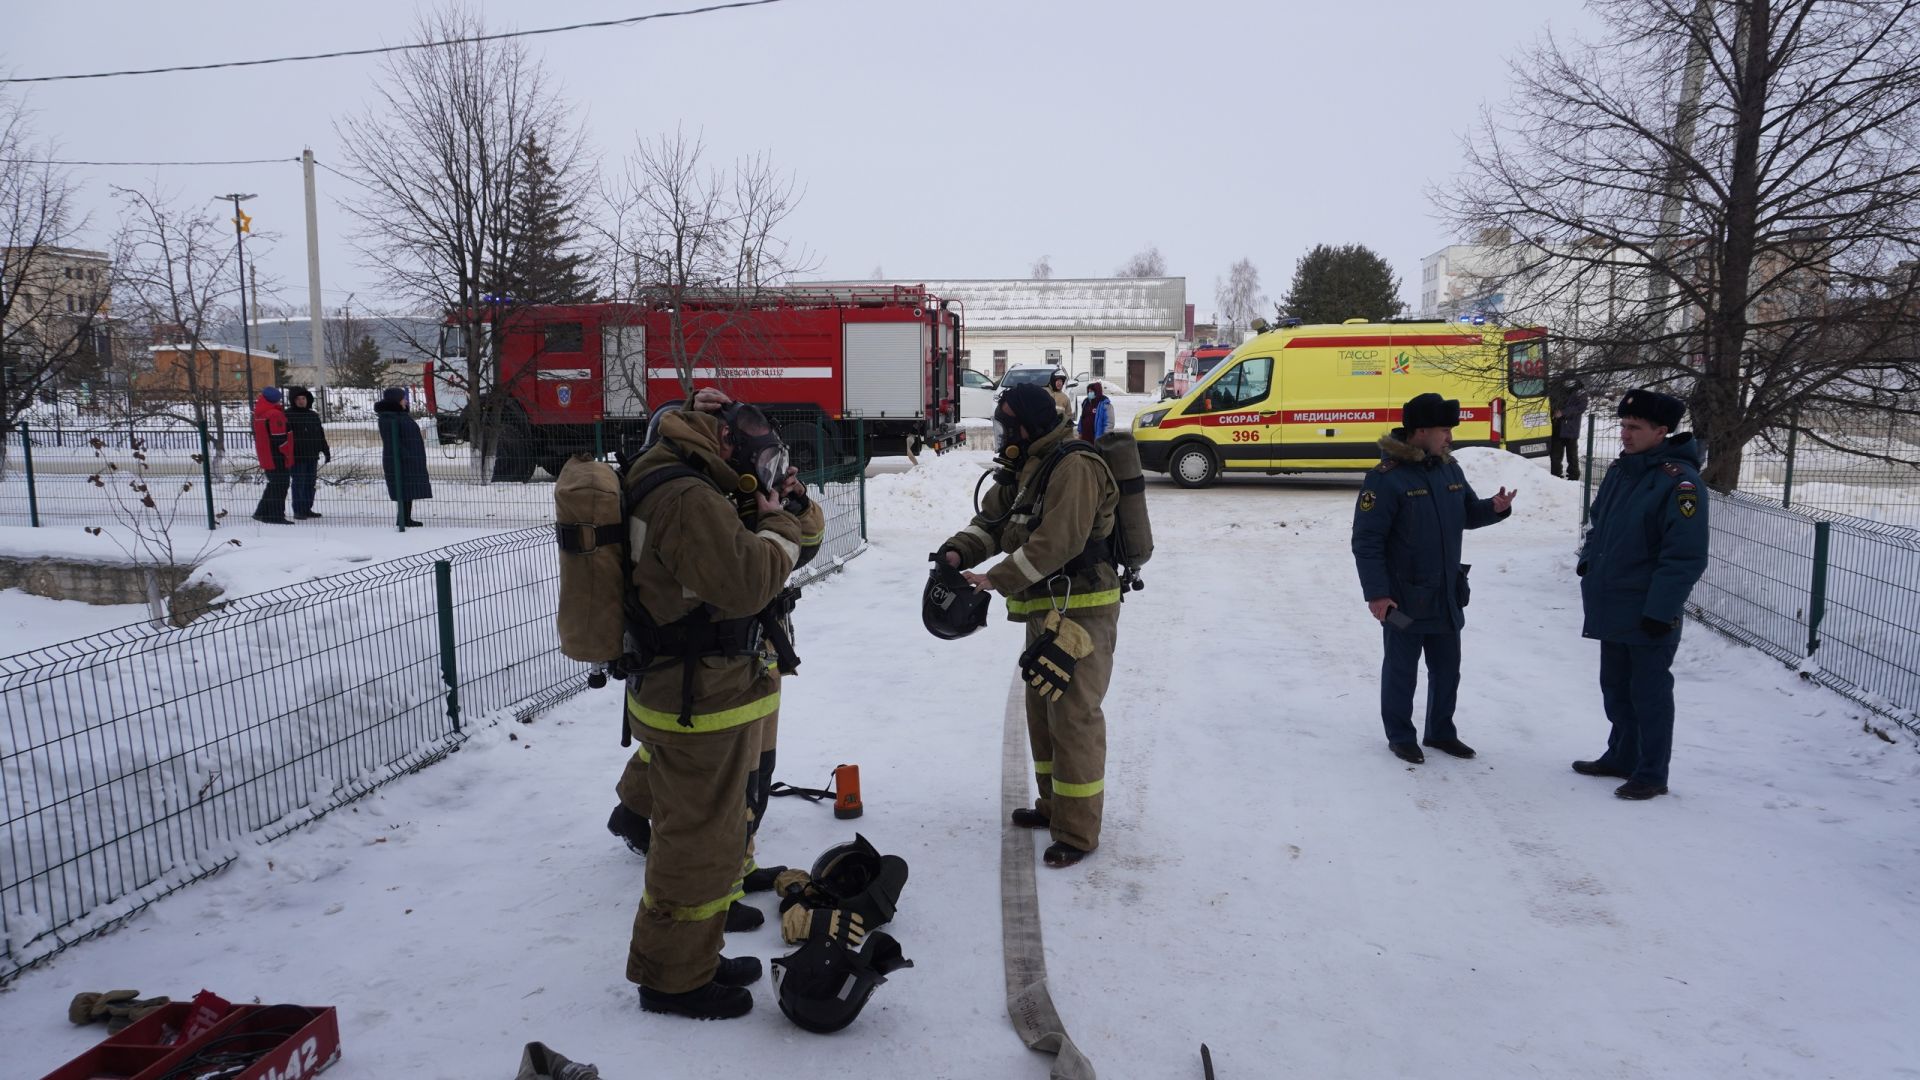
(934, 140)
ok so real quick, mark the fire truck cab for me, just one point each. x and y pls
(835, 369)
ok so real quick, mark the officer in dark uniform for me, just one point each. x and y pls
(1407, 528)
(1646, 548)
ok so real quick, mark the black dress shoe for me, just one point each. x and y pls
(630, 827)
(1028, 818)
(412, 524)
(710, 1002)
(1637, 792)
(1594, 768)
(1450, 746)
(272, 520)
(738, 971)
(1407, 752)
(742, 917)
(1061, 854)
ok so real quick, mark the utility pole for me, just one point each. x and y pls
(241, 225)
(313, 273)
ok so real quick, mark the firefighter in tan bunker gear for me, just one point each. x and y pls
(704, 703)
(1052, 516)
(632, 816)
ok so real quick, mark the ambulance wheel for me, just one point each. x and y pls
(1193, 466)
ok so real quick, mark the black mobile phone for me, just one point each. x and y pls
(1398, 619)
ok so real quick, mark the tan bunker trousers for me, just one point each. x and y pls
(1069, 736)
(697, 787)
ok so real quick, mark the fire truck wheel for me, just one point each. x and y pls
(806, 447)
(1193, 466)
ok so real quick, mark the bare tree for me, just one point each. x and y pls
(1237, 297)
(1147, 262)
(1719, 196)
(1042, 268)
(439, 162)
(52, 323)
(702, 244)
(174, 277)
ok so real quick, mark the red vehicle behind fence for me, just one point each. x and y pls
(585, 377)
(1193, 364)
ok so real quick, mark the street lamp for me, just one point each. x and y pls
(241, 224)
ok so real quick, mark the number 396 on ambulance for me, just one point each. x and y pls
(1318, 398)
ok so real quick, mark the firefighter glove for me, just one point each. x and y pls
(795, 923)
(1048, 663)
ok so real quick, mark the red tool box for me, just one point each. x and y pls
(285, 1042)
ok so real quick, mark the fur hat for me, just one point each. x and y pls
(394, 394)
(1656, 408)
(1430, 410)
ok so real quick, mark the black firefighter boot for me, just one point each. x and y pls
(710, 1002)
(744, 917)
(1028, 818)
(1061, 854)
(631, 827)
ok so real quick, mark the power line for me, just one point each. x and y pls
(60, 161)
(601, 24)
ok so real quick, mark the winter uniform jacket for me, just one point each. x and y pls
(309, 437)
(272, 439)
(1647, 544)
(1061, 402)
(1407, 531)
(1096, 416)
(407, 479)
(689, 548)
(1076, 505)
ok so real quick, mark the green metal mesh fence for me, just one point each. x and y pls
(136, 761)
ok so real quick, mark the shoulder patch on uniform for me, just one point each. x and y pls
(1689, 500)
(1686, 485)
(1366, 501)
(1672, 468)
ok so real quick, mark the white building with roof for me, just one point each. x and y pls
(1124, 331)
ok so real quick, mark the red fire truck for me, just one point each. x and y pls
(585, 377)
(1192, 365)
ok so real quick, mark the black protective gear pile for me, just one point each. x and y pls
(833, 914)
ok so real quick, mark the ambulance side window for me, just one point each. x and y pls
(1246, 383)
(1527, 368)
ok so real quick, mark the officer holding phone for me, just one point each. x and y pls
(1407, 528)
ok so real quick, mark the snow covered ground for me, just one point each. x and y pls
(1271, 880)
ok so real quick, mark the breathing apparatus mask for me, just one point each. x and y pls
(762, 456)
(1033, 414)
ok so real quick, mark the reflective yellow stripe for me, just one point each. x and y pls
(748, 867)
(713, 721)
(1044, 768)
(1079, 791)
(813, 540)
(1077, 600)
(698, 912)
(641, 755)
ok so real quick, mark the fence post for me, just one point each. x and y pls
(1793, 439)
(1586, 474)
(1817, 600)
(449, 668)
(206, 473)
(26, 459)
(860, 455)
(599, 442)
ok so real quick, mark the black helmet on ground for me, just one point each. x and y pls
(949, 607)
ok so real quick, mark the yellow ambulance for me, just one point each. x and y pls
(1317, 398)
